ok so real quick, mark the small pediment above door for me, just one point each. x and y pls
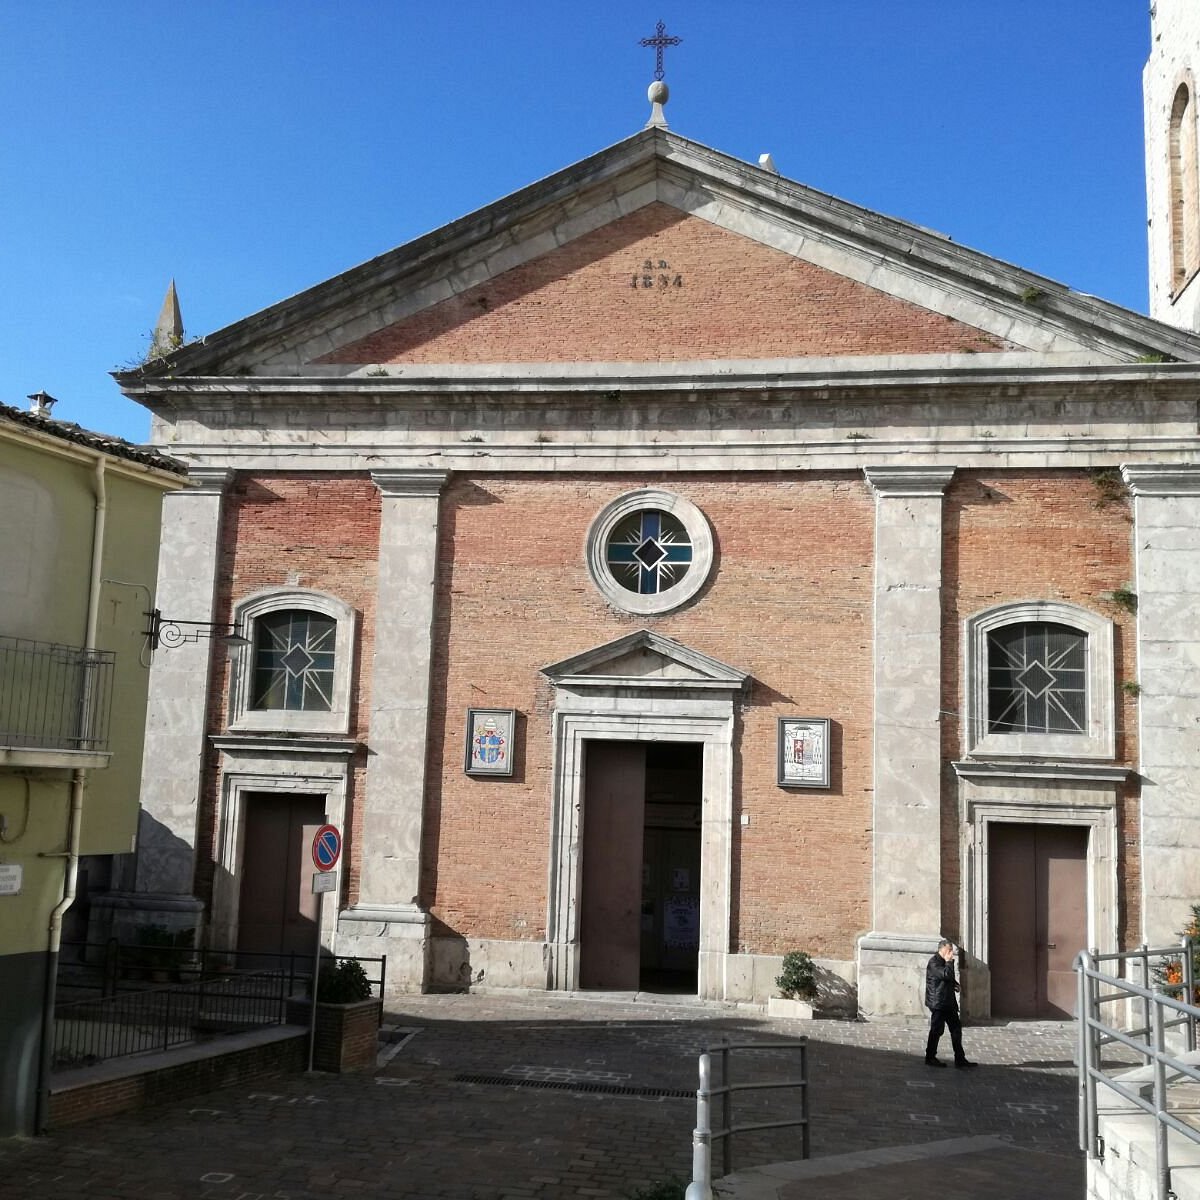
(645, 660)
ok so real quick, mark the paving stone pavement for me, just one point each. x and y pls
(590, 1098)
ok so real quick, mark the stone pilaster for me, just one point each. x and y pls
(388, 917)
(176, 709)
(906, 874)
(1167, 522)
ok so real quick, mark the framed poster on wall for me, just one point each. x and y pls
(804, 752)
(490, 741)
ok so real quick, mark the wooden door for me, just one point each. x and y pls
(614, 796)
(277, 912)
(1037, 917)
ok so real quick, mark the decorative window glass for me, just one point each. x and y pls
(649, 551)
(1037, 679)
(295, 676)
(293, 661)
(1039, 682)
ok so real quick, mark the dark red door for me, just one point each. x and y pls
(277, 911)
(1037, 917)
(610, 921)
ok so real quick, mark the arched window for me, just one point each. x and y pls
(295, 652)
(1039, 682)
(1037, 679)
(295, 678)
(1182, 167)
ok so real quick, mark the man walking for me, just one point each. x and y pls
(941, 998)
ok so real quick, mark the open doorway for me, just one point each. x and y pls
(640, 916)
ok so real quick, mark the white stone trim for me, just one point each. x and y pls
(626, 710)
(310, 766)
(245, 615)
(1033, 801)
(688, 515)
(1100, 739)
(906, 761)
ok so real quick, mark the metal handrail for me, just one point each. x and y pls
(154, 1020)
(1094, 1034)
(110, 966)
(704, 1135)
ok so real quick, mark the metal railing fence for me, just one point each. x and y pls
(704, 1135)
(155, 1019)
(111, 967)
(54, 697)
(1098, 989)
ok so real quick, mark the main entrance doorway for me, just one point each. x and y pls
(639, 922)
(1037, 923)
(277, 912)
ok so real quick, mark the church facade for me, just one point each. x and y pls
(669, 567)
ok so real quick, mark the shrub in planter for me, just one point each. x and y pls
(347, 1018)
(343, 982)
(798, 980)
(797, 985)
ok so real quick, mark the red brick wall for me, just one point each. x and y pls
(1045, 535)
(317, 531)
(735, 299)
(789, 602)
(71, 1105)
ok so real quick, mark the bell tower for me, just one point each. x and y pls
(1172, 162)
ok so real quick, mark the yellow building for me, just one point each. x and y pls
(78, 551)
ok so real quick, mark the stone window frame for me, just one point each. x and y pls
(1098, 742)
(612, 514)
(1183, 184)
(242, 717)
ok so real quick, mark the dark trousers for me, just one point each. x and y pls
(940, 1019)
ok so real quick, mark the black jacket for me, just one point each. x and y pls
(940, 984)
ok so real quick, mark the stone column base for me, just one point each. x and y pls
(401, 931)
(891, 973)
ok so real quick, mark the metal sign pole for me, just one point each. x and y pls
(316, 976)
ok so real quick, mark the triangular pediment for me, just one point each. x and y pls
(662, 250)
(645, 659)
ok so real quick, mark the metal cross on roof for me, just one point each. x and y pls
(658, 41)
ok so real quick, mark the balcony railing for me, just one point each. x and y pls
(54, 697)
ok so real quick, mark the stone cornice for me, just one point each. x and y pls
(257, 745)
(414, 482)
(1162, 479)
(882, 373)
(908, 481)
(209, 481)
(1085, 772)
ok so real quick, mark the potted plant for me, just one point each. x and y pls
(797, 984)
(348, 1018)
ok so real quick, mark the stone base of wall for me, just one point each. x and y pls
(466, 964)
(891, 973)
(462, 963)
(124, 1085)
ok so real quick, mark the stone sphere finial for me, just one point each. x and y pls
(658, 92)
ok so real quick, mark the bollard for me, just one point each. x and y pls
(701, 1186)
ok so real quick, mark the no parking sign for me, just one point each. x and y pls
(326, 847)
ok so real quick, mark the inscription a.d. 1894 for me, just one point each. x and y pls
(656, 275)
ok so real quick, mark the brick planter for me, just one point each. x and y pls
(347, 1034)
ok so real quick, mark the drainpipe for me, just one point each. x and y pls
(74, 819)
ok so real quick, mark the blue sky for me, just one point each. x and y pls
(253, 148)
